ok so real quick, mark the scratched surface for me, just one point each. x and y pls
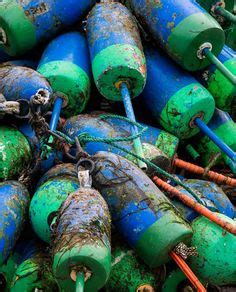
(13, 211)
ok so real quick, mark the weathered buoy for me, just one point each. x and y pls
(81, 241)
(15, 152)
(14, 205)
(39, 20)
(224, 127)
(178, 102)
(107, 126)
(182, 28)
(215, 263)
(118, 62)
(66, 65)
(211, 196)
(22, 84)
(221, 10)
(175, 281)
(174, 97)
(53, 188)
(128, 273)
(22, 250)
(219, 86)
(140, 211)
(34, 274)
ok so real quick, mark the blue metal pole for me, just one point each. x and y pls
(56, 113)
(209, 133)
(130, 114)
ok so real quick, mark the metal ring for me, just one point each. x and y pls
(88, 164)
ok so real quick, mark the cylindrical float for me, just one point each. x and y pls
(215, 263)
(118, 62)
(213, 5)
(140, 211)
(225, 128)
(38, 20)
(14, 205)
(182, 28)
(129, 274)
(211, 196)
(176, 281)
(66, 65)
(174, 97)
(81, 245)
(23, 250)
(22, 83)
(107, 126)
(15, 153)
(116, 50)
(34, 274)
(52, 190)
(220, 87)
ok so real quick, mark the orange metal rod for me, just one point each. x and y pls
(188, 272)
(216, 177)
(195, 205)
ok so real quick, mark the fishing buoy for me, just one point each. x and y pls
(219, 86)
(174, 97)
(107, 126)
(66, 65)
(215, 263)
(52, 190)
(176, 281)
(34, 274)
(211, 196)
(22, 250)
(81, 245)
(178, 102)
(14, 204)
(221, 10)
(128, 273)
(183, 29)
(224, 127)
(23, 84)
(140, 211)
(118, 62)
(39, 20)
(15, 152)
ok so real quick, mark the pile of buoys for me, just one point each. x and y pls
(117, 145)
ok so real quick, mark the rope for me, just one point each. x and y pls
(85, 138)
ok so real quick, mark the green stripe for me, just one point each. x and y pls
(129, 64)
(20, 31)
(183, 106)
(185, 51)
(72, 81)
(154, 246)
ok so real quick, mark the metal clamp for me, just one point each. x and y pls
(85, 168)
(184, 251)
